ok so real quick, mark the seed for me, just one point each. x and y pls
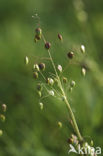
(70, 55)
(60, 37)
(72, 84)
(60, 68)
(2, 117)
(26, 60)
(75, 139)
(1, 132)
(60, 124)
(47, 45)
(35, 75)
(39, 93)
(37, 37)
(64, 79)
(39, 87)
(41, 105)
(51, 92)
(36, 67)
(50, 81)
(4, 107)
(82, 48)
(38, 31)
(83, 71)
(70, 140)
(41, 66)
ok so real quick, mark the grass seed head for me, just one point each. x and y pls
(39, 93)
(35, 75)
(47, 45)
(60, 68)
(51, 92)
(39, 87)
(2, 117)
(41, 105)
(37, 37)
(64, 79)
(60, 37)
(1, 132)
(83, 71)
(82, 48)
(36, 67)
(60, 124)
(50, 81)
(4, 107)
(70, 55)
(72, 84)
(70, 140)
(26, 60)
(42, 66)
(38, 31)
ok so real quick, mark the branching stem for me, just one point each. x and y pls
(75, 126)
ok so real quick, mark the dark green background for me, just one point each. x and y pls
(29, 131)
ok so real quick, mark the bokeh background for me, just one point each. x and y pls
(28, 131)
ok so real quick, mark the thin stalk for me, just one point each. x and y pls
(42, 75)
(75, 126)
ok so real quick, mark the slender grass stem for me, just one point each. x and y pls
(42, 75)
(75, 126)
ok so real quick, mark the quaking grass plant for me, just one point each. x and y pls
(57, 79)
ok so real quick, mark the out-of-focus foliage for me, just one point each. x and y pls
(28, 131)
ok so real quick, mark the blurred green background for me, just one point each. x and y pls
(28, 131)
